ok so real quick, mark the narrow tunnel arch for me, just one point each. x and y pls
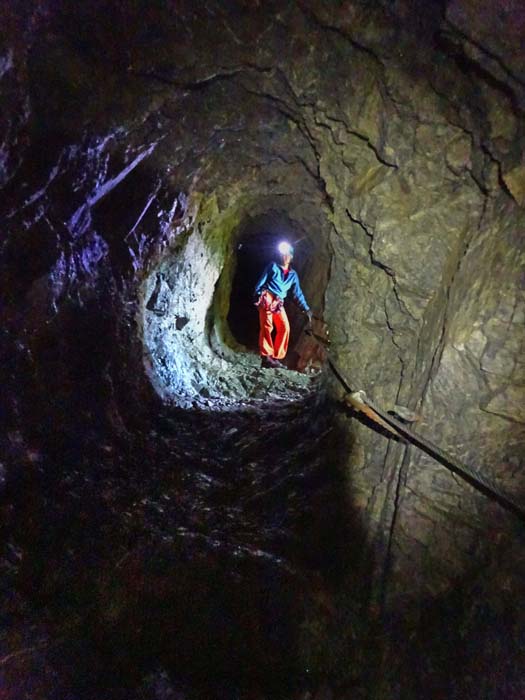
(197, 317)
(256, 244)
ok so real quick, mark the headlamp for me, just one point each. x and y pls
(285, 248)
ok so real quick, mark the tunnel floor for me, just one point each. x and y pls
(192, 553)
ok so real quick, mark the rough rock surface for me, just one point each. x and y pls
(136, 142)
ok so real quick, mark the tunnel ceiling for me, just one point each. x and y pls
(137, 142)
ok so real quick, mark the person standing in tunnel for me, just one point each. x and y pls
(271, 290)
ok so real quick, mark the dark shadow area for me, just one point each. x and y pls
(461, 651)
(256, 247)
(223, 560)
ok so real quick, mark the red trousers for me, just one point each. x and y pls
(268, 346)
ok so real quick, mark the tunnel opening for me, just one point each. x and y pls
(256, 245)
(198, 320)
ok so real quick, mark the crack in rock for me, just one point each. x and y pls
(487, 52)
(352, 132)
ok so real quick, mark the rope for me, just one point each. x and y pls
(472, 476)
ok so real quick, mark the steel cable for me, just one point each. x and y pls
(472, 476)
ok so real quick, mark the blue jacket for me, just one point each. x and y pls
(279, 284)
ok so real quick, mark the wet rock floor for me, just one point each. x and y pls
(185, 561)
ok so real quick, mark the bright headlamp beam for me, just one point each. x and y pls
(284, 248)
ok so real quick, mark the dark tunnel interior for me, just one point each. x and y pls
(256, 247)
(178, 520)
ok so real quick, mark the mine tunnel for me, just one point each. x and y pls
(180, 520)
(257, 245)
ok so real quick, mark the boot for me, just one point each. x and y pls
(269, 362)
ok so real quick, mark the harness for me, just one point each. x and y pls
(269, 302)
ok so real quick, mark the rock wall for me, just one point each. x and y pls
(135, 139)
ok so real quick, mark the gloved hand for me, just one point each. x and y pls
(310, 317)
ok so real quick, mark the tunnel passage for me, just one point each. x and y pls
(197, 315)
(256, 245)
(409, 148)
